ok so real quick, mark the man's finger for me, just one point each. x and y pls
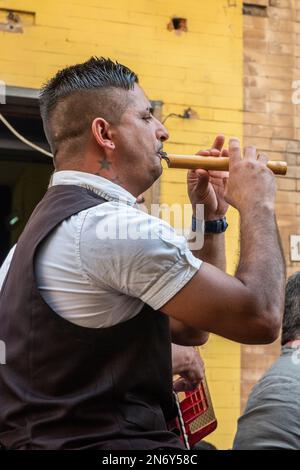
(215, 153)
(195, 174)
(234, 151)
(216, 149)
(209, 153)
(250, 152)
(262, 157)
(203, 153)
(225, 153)
(181, 385)
(219, 142)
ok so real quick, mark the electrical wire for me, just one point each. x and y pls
(172, 115)
(187, 114)
(23, 139)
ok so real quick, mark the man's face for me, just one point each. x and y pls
(138, 138)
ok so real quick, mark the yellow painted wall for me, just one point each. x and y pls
(201, 69)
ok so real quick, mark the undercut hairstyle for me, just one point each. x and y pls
(76, 95)
(291, 317)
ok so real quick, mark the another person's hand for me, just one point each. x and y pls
(251, 183)
(208, 187)
(188, 364)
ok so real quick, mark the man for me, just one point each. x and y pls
(271, 419)
(87, 317)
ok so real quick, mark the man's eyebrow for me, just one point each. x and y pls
(150, 109)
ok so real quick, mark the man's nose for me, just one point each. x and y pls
(162, 133)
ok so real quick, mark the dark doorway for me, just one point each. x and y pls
(24, 172)
(22, 186)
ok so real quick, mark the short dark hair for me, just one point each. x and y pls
(291, 317)
(94, 74)
(78, 94)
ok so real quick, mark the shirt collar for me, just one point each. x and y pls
(99, 185)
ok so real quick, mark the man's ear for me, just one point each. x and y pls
(100, 130)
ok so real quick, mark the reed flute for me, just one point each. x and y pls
(193, 162)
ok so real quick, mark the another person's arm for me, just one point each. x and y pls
(188, 364)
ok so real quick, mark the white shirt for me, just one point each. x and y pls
(95, 281)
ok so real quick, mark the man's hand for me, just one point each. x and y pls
(208, 187)
(250, 182)
(186, 362)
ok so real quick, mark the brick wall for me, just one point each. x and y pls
(272, 121)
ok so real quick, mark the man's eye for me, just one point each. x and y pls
(148, 118)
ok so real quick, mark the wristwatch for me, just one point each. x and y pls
(211, 226)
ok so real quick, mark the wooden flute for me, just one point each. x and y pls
(193, 162)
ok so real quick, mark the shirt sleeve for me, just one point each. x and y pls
(135, 254)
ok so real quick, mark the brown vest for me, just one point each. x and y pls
(68, 387)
